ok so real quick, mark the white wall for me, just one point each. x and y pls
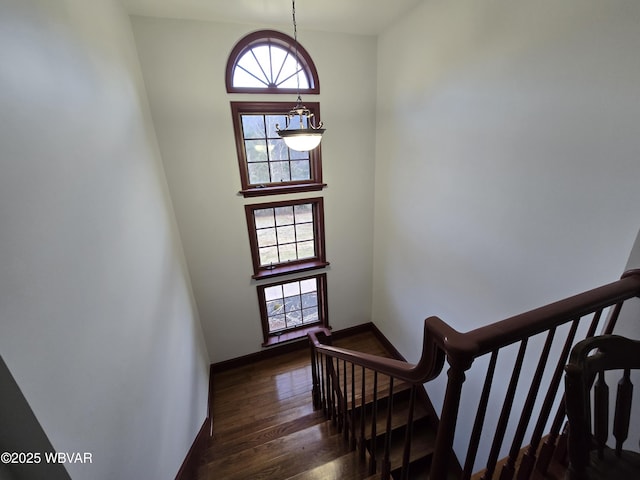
(97, 321)
(507, 159)
(183, 63)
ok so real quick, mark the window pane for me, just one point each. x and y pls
(292, 73)
(269, 256)
(253, 126)
(264, 217)
(272, 121)
(267, 237)
(263, 56)
(278, 56)
(259, 173)
(292, 288)
(273, 292)
(304, 213)
(284, 215)
(244, 79)
(300, 170)
(304, 232)
(275, 307)
(280, 172)
(306, 250)
(292, 303)
(276, 323)
(278, 150)
(256, 150)
(286, 234)
(295, 155)
(309, 299)
(310, 315)
(293, 319)
(288, 252)
(308, 285)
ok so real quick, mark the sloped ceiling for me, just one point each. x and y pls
(366, 17)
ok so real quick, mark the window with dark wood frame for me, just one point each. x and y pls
(265, 62)
(286, 237)
(290, 307)
(267, 165)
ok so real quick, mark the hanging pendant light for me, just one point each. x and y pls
(300, 133)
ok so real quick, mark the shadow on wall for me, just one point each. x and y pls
(21, 433)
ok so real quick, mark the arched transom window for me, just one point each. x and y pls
(266, 62)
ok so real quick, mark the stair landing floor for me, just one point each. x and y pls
(263, 412)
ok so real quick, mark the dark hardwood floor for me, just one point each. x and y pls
(264, 425)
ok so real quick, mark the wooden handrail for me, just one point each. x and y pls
(462, 348)
(441, 341)
(482, 340)
(428, 367)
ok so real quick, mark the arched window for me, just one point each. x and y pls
(265, 62)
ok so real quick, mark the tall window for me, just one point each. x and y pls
(266, 165)
(286, 236)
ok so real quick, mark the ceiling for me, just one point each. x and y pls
(365, 17)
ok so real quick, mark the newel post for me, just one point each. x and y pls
(317, 400)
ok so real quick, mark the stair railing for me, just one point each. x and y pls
(540, 340)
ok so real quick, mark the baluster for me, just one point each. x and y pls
(338, 396)
(323, 386)
(345, 398)
(510, 467)
(363, 445)
(406, 454)
(386, 463)
(474, 441)
(448, 418)
(601, 413)
(613, 319)
(557, 439)
(529, 458)
(622, 415)
(374, 413)
(331, 390)
(353, 406)
(504, 414)
(315, 389)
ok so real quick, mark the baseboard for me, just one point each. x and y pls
(299, 344)
(387, 344)
(189, 467)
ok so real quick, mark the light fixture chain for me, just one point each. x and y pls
(295, 45)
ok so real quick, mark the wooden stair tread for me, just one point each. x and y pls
(222, 446)
(399, 416)
(346, 467)
(422, 446)
(281, 457)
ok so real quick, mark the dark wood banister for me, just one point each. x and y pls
(460, 349)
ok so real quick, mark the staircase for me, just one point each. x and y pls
(265, 426)
(369, 418)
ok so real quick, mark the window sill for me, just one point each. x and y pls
(289, 268)
(280, 189)
(291, 335)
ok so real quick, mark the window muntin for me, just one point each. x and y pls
(286, 236)
(265, 62)
(269, 66)
(292, 305)
(267, 165)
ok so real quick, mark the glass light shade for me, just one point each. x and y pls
(302, 139)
